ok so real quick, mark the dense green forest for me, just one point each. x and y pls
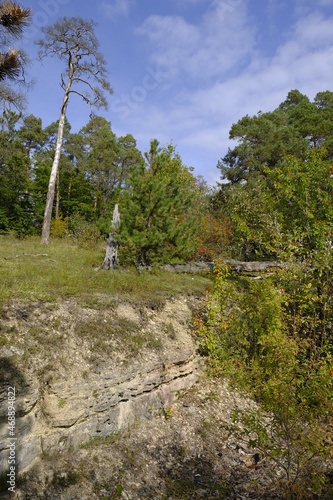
(274, 200)
(273, 335)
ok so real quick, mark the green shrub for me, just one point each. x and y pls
(59, 227)
(265, 337)
(86, 233)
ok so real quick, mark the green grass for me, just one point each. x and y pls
(69, 271)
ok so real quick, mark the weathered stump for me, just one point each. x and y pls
(112, 245)
(111, 253)
(116, 217)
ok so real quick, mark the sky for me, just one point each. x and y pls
(186, 70)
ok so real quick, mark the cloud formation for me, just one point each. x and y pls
(117, 8)
(219, 44)
(225, 76)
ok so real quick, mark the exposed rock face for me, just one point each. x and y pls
(80, 373)
(186, 453)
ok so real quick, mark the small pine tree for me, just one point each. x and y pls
(156, 223)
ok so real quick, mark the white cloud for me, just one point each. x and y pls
(116, 8)
(265, 83)
(221, 42)
(201, 118)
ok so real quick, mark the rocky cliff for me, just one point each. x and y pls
(83, 372)
(112, 402)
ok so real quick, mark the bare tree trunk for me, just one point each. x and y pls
(73, 40)
(45, 239)
(98, 189)
(58, 195)
(3, 116)
(53, 177)
(27, 169)
(69, 191)
(234, 265)
(70, 186)
(305, 212)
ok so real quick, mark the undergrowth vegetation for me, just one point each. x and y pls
(273, 339)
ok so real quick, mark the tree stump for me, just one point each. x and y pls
(111, 253)
(112, 245)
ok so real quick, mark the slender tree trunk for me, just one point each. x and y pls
(305, 212)
(45, 239)
(27, 168)
(69, 191)
(70, 186)
(3, 116)
(50, 193)
(58, 195)
(98, 188)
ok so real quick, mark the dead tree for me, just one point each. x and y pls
(74, 41)
(111, 253)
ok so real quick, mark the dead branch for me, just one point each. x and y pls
(26, 255)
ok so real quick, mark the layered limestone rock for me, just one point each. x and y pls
(84, 372)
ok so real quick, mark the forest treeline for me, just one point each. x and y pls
(274, 199)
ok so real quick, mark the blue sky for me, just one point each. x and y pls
(185, 70)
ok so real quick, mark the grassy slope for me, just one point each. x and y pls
(69, 271)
